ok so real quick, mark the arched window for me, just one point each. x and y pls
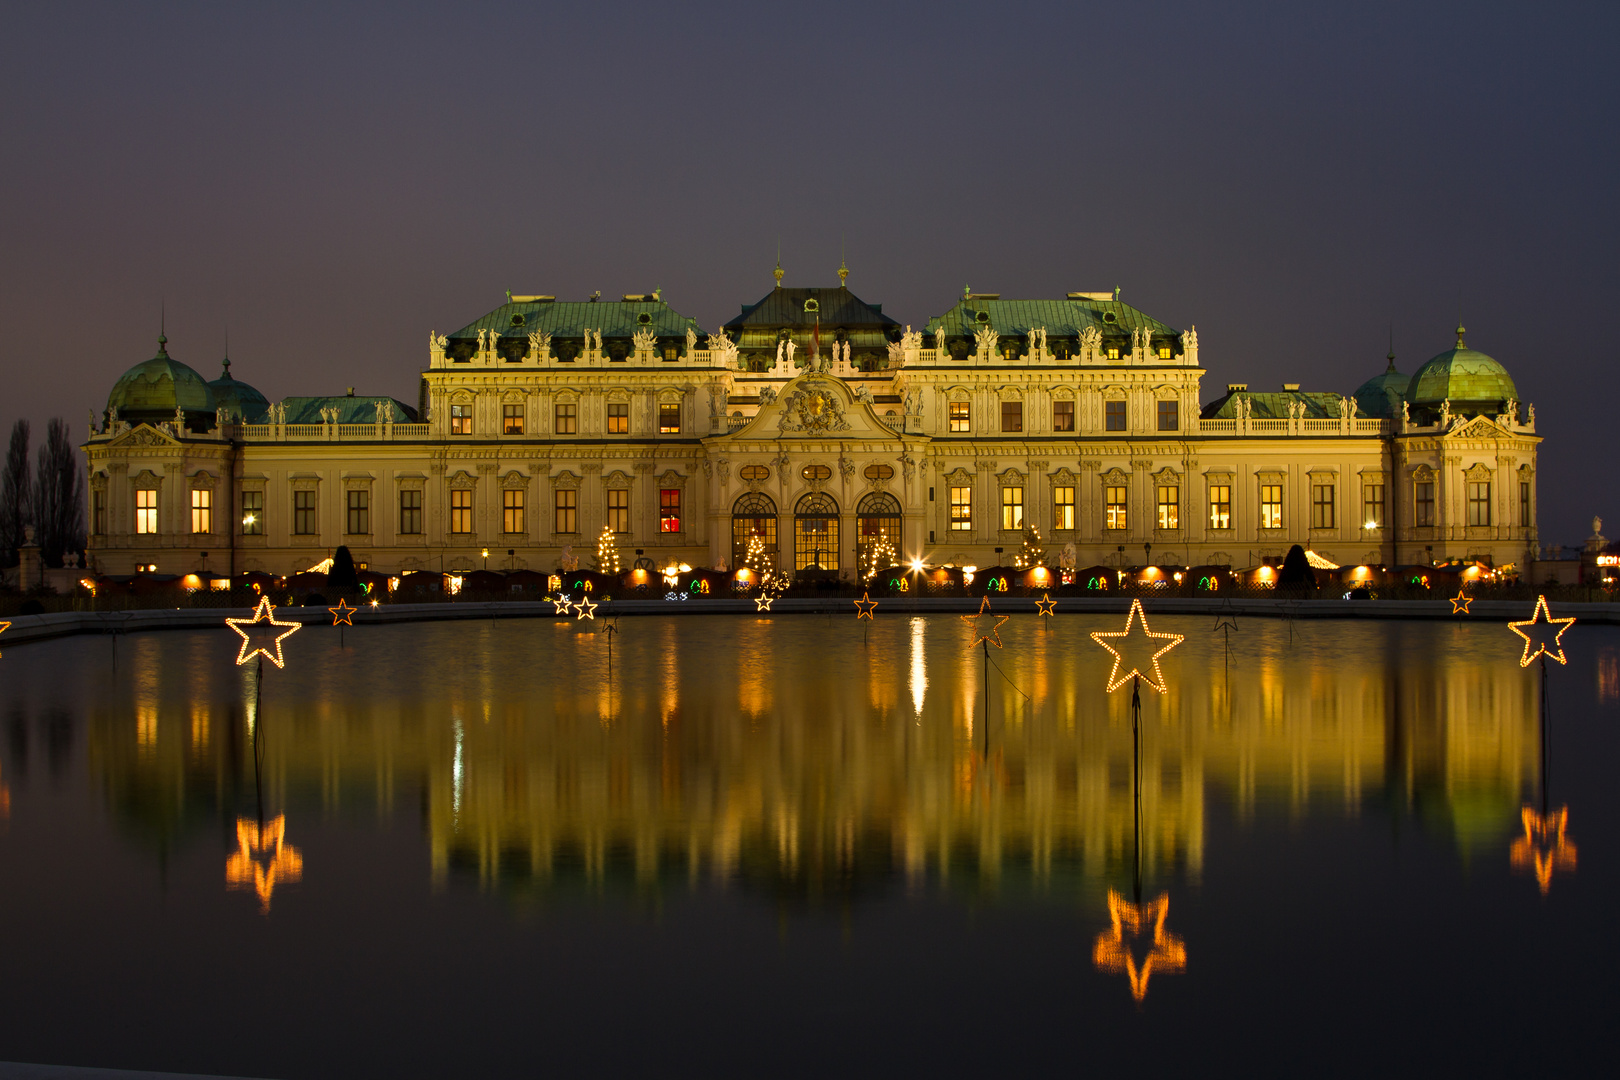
(815, 533)
(754, 514)
(877, 516)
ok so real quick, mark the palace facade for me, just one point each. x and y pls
(819, 424)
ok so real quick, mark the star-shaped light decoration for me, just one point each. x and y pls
(763, 603)
(265, 614)
(1543, 849)
(976, 623)
(1115, 678)
(263, 859)
(4, 626)
(1112, 954)
(1225, 620)
(1460, 602)
(343, 613)
(586, 609)
(1046, 606)
(562, 605)
(1538, 637)
(865, 606)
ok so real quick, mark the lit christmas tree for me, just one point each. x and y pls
(1033, 553)
(607, 552)
(757, 559)
(878, 555)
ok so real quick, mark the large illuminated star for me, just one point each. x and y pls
(763, 603)
(265, 614)
(865, 606)
(1460, 602)
(976, 622)
(1538, 637)
(1115, 679)
(586, 609)
(1111, 953)
(1046, 605)
(343, 613)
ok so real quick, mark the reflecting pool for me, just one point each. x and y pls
(809, 846)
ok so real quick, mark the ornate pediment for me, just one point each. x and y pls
(461, 478)
(618, 478)
(1478, 472)
(1116, 476)
(1480, 427)
(514, 479)
(565, 480)
(144, 435)
(1063, 477)
(813, 405)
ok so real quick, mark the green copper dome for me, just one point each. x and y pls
(1380, 396)
(239, 400)
(153, 389)
(1470, 380)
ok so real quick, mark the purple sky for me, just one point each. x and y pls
(335, 181)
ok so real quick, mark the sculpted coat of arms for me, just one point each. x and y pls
(813, 410)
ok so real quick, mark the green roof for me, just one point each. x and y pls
(612, 318)
(351, 410)
(153, 389)
(1060, 318)
(836, 307)
(1381, 395)
(1464, 377)
(1270, 406)
(237, 398)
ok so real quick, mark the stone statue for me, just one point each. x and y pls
(914, 402)
(1445, 413)
(1189, 341)
(767, 395)
(1069, 557)
(788, 349)
(691, 342)
(1091, 340)
(1351, 407)
(984, 338)
(112, 417)
(569, 561)
(1597, 526)
(643, 340)
(897, 354)
(92, 413)
(724, 468)
(863, 394)
(1406, 413)
(383, 411)
(723, 351)
(847, 468)
(708, 469)
(720, 564)
(221, 417)
(1531, 418)
(437, 342)
(540, 345)
(911, 339)
(179, 417)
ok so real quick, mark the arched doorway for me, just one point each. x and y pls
(815, 535)
(754, 514)
(877, 517)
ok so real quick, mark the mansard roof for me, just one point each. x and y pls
(1274, 406)
(570, 319)
(1060, 318)
(837, 307)
(351, 410)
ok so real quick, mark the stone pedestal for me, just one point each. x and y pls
(30, 568)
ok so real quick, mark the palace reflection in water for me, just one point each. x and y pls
(785, 755)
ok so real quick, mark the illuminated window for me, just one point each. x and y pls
(252, 513)
(754, 473)
(146, 510)
(1164, 352)
(461, 510)
(961, 509)
(410, 513)
(1220, 506)
(618, 418)
(1062, 416)
(1012, 416)
(202, 510)
(1271, 506)
(461, 419)
(961, 416)
(1321, 506)
(566, 511)
(1479, 503)
(304, 513)
(98, 513)
(618, 508)
(1063, 508)
(566, 420)
(815, 533)
(359, 516)
(1524, 503)
(1372, 505)
(1114, 416)
(1169, 416)
(1012, 508)
(753, 514)
(512, 510)
(815, 472)
(1169, 506)
(669, 510)
(669, 418)
(1425, 504)
(1113, 352)
(879, 472)
(511, 419)
(1114, 516)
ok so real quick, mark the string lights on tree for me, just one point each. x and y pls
(264, 614)
(1032, 552)
(756, 559)
(875, 556)
(1107, 638)
(607, 552)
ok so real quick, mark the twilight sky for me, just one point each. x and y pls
(333, 181)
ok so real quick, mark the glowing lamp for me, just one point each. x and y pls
(453, 584)
(917, 566)
(393, 584)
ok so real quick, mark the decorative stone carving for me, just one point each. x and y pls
(813, 410)
(708, 469)
(908, 466)
(1091, 340)
(437, 343)
(897, 354)
(643, 340)
(984, 339)
(723, 466)
(691, 342)
(767, 395)
(863, 394)
(722, 350)
(1037, 339)
(540, 345)
(847, 468)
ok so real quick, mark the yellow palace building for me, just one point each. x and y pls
(818, 423)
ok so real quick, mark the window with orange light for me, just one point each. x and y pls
(669, 510)
(1220, 506)
(461, 510)
(1012, 508)
(146, 507)
(961, 509)
(1114, 507)
(512, 510)
(1063, 508)
(202, 510)
(960, 416)
(1271, 509)
(1169, 506)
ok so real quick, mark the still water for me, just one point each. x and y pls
(795, 846)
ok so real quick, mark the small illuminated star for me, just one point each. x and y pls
(561, 604)
(586, 609)
(1115, 679)
(1046, 605)
(265, 614)
(1459, 603)
(763, 603)
(865, 606)
(978, 634)
(1540, 638)
(342, 613)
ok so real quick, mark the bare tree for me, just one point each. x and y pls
(16, 494)
(58, 496)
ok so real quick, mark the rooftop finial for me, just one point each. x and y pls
(163, 319)
(1461, 330)
(777, 273)
(1391, 357)
(843, 270)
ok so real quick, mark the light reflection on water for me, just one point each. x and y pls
(803, 766)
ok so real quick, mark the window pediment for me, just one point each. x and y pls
(1116, 476)
(514, 479)
(565, 480)
(616, 479)
(461, 478)
(1478, 472)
